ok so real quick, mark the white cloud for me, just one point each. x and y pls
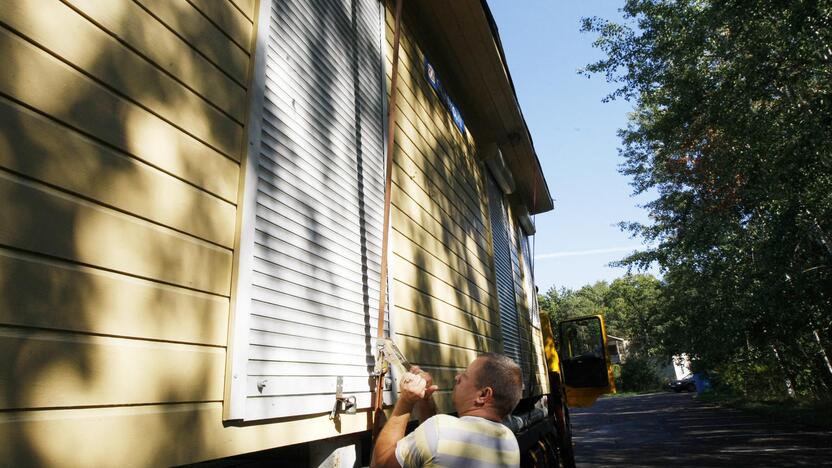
(582, 253)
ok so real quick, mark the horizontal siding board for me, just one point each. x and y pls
(288, 385)
(43, 220)
(283, 306)
(284, 406)
(427, 124)
(437, 354)
(340, 200)
(246, 7)
(143, 33)
(289, 35)
(314, 227)
(266, 259)
(308, 330)
(276, 250)
(321, 247)
(350, 345)
(202, 35)
(452, 222)
(316, 298)
(231, 21)
(431, 157)
(292, 29)
(320, 132)
(439, 267)
(410, 298)
(319, 99)
(275, 277)
(138, 436)
(435, 329)
(306, 369)
(86, 105)
(409, 219)
(280, 153)
(438, 155)
(307, 206)
(277, 354)
(40, 148)
(411, 274)
(122, 70)
(64, 370)
(42, 293)
(338, 154)
(339, 15)
(411, 241)
(435, 183)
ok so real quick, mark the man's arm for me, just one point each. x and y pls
(384, 452)
(415, 387)
(425, 407)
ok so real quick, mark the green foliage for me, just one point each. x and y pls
(638, 374)
(628, 305)
(731, 132)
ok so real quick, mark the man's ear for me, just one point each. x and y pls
(486, 395)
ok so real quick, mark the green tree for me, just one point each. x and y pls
(731, 131)
(628, 305)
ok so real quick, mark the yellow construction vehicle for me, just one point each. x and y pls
(579, 372)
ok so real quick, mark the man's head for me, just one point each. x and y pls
(490, 386)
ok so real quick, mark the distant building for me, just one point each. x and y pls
(617, 349)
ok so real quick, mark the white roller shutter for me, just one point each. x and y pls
(528, 276)
(307, 285)
(504, 271)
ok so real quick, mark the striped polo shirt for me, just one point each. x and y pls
(469, 441)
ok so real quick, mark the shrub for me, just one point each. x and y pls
(638, 374)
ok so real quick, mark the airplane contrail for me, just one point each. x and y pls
(578, 253)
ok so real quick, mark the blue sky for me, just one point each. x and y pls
(575, 137)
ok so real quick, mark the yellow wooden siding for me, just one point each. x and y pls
(139, 30)
(40, 219)
(202, 35)
(148, 435)
(146, 85)
(445, 304)
(85, 370)
(441, 214)
(414, 300)
(38, 147)
(246, 7)
(39, 80)
(121, 131)
(47, 293)
(229, 19)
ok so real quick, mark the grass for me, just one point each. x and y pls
(807, 412)
(621, 394)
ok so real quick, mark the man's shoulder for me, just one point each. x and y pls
(441, 422)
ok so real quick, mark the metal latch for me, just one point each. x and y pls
(343, 404)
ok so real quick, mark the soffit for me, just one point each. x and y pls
(461, 35)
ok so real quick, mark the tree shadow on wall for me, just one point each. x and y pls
(116, 233)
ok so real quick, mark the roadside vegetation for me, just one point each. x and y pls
(630, 309)
(730, 135)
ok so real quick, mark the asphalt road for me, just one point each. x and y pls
(675, 430)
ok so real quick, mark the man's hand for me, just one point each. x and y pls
(415, 390)
(416, 385)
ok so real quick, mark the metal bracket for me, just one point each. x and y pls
(343, 404)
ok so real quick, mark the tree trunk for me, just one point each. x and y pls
(823, 352)
(789, 382)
